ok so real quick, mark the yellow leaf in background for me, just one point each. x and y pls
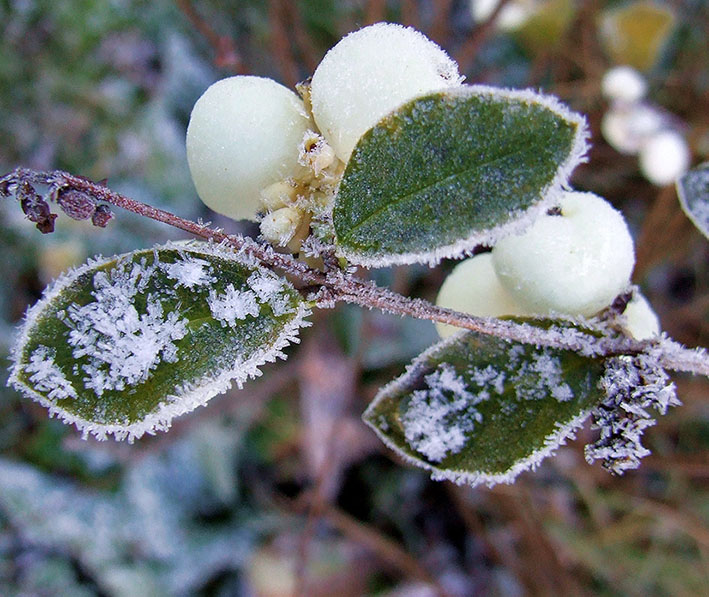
(636, 33)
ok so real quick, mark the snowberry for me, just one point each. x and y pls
(664, 157)
(574, 264)
(473, 287)
(512, 16)
(641, 322)
(243, 135)
(623, 84)
(628, 127)
(368, 74)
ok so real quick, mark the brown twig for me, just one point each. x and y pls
(280, 43)
(225, 52)
(339, 285)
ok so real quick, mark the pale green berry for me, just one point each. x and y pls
(370, 73)
(243, 136)
(473, 287)
(573, 264)
(623, 84)
(664, 157)
(641, 322)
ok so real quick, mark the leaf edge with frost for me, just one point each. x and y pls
(191, 395)
(519, 222)
(552, 441)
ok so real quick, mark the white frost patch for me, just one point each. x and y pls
(232, 304)
(189, 272)
(539, 377)
(270, 289)
(438, 418)
(47, 376)
(122, 346)
(632, 385)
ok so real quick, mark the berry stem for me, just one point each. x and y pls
(337, 285)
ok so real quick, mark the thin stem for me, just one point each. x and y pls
(337, 285)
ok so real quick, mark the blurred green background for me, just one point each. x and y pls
(279, 489)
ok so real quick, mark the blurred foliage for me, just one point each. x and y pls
(279, 487)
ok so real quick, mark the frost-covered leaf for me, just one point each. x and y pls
(451, 170)
(477, 409)
(693, 191)
(122, 345)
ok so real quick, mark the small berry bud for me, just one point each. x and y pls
(279, 194)
(664, 157)
(278, 227)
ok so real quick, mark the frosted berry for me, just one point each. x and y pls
(243, 136)
(473, 287)
(664, 157)
(575, 263)
(370, 73)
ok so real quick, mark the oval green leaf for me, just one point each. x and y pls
(122, 345)
(453, 170)
(477, 409)
(693, 191)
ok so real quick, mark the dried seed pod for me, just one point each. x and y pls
(76, 204)
(101, 216)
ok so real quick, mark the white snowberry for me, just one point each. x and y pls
(370, 73)
(641, 322)
(573, 264)
(664, 157)
(243, 135)
(623, 84)
(473, 287)
(627, 127)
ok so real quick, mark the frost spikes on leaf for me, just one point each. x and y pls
(120, 346)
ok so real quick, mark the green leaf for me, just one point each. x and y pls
(636, 33)
(693, 191)
(122, 345)
(452, 170)
(477, 409)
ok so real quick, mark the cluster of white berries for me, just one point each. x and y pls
(634, 126)
(258, 151)
(572, 263)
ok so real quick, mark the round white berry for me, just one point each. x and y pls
(641, 322)
(628, 127)
(368, 74)
(664, 157)
(243, 135)
(473, 287)
(512, 16)
(623, 84)
(573, 264)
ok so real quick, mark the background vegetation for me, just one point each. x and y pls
(279, 488)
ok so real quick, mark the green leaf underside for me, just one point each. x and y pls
(449, 167)
(522, 403)
(693, 191)
(209, 350)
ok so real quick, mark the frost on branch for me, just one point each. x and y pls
(632, 386)
(477, 409)
(122, 345)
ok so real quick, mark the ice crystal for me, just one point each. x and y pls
(270, 289)
(122, 345)
(632, 386)
(189, 272)
(232, 304)
(47, 376)
(439, 417)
